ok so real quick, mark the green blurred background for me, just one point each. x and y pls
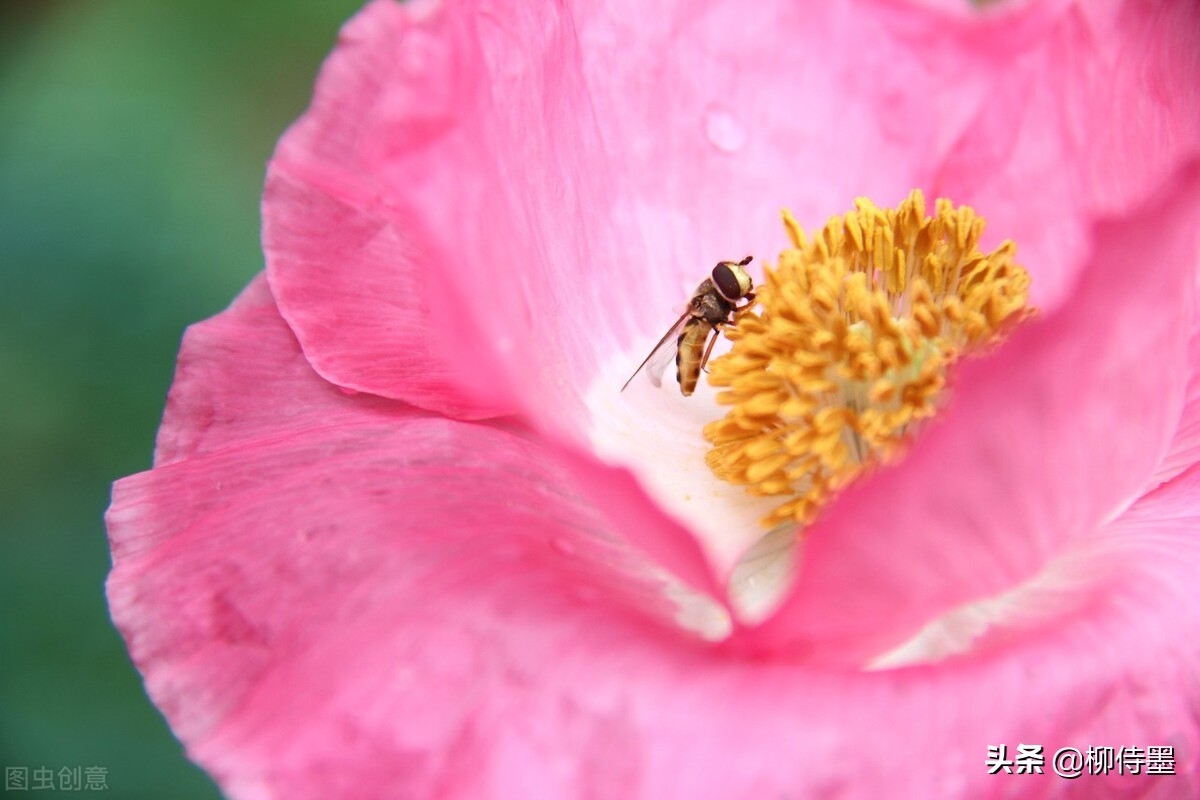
(133, 139)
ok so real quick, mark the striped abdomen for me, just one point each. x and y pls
(691, 350)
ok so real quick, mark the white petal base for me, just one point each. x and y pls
(656, 433)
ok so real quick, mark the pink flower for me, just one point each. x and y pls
(403, 538)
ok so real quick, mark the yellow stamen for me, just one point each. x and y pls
(847, 349)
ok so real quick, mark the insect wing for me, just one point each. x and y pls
(662, 354)
(666, 353)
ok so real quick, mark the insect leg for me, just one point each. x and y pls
(712, 340)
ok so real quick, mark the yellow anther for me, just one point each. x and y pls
(794, 231)
(846, 351)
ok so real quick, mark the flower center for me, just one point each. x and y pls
(846, 351)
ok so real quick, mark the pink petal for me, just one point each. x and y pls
(502, 185)
(241, 379)
(465, 223)
(1040, 445)
(1185, 445)
(1067, 120)
(385, 613)
(326, 253)
(402, 135)
(280, 578)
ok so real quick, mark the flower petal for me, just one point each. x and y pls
(481, 211)
(511, 200)
(242, 577)
(356, 276)
(241, 378)
(349, 280)
(1041, 444)
(1078, 111)
(517, 164)
(427, 209)
(313, 628)
(1185, 446)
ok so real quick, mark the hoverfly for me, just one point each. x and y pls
(690, 340)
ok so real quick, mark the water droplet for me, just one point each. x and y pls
(723, 129)
(564, 545)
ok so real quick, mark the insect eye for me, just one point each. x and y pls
(727, 281)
